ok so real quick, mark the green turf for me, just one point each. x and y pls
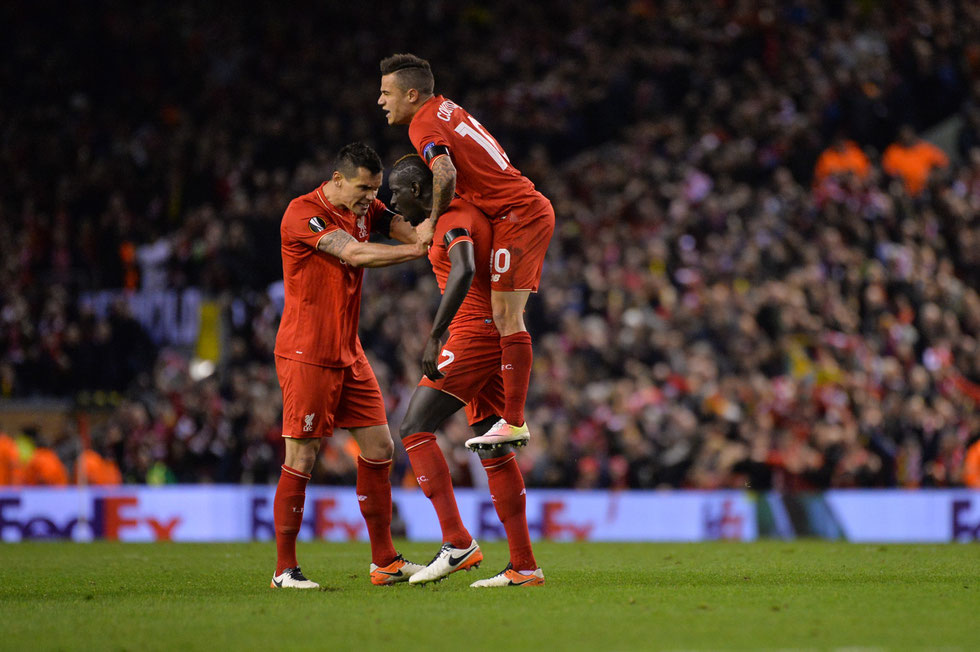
(801, 595)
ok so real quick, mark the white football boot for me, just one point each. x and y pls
(400, 570)
(292, 578)
(511, 577)
(501, 433)
(449, 560)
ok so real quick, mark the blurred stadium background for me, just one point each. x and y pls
(765, 272)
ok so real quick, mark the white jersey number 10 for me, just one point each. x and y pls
(485, 140)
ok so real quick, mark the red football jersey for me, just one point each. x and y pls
(323, 294)
(484, 175)
(463, 215)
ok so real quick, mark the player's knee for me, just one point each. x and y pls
(306, 461)
(301, 454)
(408, 427)
(426, 419)
(379, 448)
(303, 465)
(388, 448)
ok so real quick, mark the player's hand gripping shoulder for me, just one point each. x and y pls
(425, 231)
(443, 190)
(401, 230)
(341, 244)
(430, 356)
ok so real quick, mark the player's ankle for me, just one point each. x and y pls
(461, 541)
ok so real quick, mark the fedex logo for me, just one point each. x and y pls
(327, 522)
(551, 523)
(112, 519)
(725, 522)
(965, 528)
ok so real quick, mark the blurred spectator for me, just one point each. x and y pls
(712, 314)
(96, 470)
(842, 158)
(912, 160)
(10, 466)
(43, 466)
(971, 465)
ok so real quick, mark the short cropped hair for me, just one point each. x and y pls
(413, 168)
(412, 72)
(357, 155)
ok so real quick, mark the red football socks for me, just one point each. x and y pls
(287, 510)
(432, 474)
(374, 498)
(510, 498)
(515, 363)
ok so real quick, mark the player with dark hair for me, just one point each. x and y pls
(325, 377)
(466, 160)
(465, 372)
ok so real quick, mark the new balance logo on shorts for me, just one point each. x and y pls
(361, 498)
(308, 422)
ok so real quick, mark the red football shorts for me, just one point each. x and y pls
(488, 403)
(520, 242)
(317, 399)
(470, 360)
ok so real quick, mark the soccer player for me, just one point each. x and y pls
(464, 372)
(325, 377)
(466, 160)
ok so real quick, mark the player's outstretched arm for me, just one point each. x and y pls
(341, 244)
(463, 267)
(443, 191)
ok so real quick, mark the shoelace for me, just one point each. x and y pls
(445, 547)
(504, 572)
(297, 574)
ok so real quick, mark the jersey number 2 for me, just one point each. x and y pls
(449, 358)
(484, 140)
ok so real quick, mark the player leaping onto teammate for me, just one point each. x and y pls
(466, 160)
(464, 372)
(325, 377)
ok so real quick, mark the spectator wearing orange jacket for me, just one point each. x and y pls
(45, 468)
(10, 467)
(843, 157)
(912, 160)
(971, 466)
(97, 469)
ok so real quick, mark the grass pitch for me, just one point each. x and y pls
(800, 595)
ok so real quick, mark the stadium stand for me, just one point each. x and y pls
(713, 314)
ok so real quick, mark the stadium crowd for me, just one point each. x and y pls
(760, 275)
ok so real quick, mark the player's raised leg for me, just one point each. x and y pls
(374, 499)
(516, 358)
(288, 512)
(520, 243)
(428, 408)
(509, 496)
